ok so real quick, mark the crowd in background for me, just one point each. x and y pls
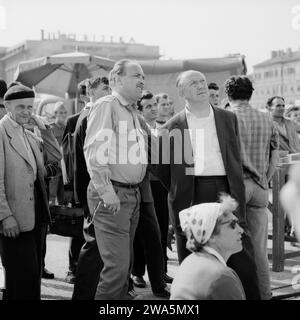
(134, 212)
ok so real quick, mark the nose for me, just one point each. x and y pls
(240, 229)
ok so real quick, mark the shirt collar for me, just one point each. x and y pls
(214, 253)
(121, 99)
(190, 114)
(124, 102)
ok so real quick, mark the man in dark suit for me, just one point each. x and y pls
(200, 158)
(89, 262)
(68, 153)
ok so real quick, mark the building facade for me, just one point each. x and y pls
(279, 75)
(61, 43)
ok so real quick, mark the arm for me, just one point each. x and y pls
(9, 224)
(97, 144)
(274, 153)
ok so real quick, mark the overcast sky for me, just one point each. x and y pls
(181, 28)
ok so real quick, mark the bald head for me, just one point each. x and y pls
(192, 86)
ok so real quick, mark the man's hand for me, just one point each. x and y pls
(112, 204)
(10, 227)
(37, 121)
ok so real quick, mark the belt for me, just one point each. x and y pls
(126, 185)
(210, 178)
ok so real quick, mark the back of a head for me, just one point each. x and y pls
(3, 88)
(239, 88)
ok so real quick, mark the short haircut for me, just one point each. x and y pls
(3, 88)
(58, 105)
(146, 95)
(82, 87)
(270, 100)
(213, 86)
(161, 96)
(94, 83)
(183, 74)
(239, 88)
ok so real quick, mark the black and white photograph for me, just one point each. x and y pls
(149, 153)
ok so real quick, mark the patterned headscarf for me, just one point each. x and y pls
(201, 219)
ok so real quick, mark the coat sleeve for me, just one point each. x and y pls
(4, 206)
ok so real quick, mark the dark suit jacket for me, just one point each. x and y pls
(68, 145)
(173, 175)
(81, 175)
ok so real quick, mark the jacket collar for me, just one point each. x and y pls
(10, 127)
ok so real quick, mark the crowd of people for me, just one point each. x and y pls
(144, 172)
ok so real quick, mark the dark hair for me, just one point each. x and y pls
(82, 87)
(161, 96)
(146, 95)
(94, 83)
(270, 100)
(213, 86)
(239, 88)
(3, 88)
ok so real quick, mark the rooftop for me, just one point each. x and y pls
(280, 56)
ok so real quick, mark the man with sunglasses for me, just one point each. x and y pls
(259, 153)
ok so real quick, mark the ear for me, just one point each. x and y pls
(118, 81)
(181, 91)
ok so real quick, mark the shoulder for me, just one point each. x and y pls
(224, 113)
(171, 123)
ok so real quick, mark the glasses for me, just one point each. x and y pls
(232, 223)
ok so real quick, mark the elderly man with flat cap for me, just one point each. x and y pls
(24, 212)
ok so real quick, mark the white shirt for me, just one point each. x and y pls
(205, 143)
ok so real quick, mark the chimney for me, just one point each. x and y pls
(273, 54)
(42, 34)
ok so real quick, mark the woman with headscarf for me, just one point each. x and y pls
(213, 235)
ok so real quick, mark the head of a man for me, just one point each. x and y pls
(163, 104)
(97, 88)
(147, 105)
(238, 88)
(293, 113)
(3, 89)
(276, 105)
(60, 112)
(214, 94)
(18, 101)
(192, 86)
(127, 78)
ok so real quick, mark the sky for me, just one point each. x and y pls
(181, 28)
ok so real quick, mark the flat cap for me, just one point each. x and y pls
(18, 92)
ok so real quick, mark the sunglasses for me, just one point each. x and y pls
(232, 223)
